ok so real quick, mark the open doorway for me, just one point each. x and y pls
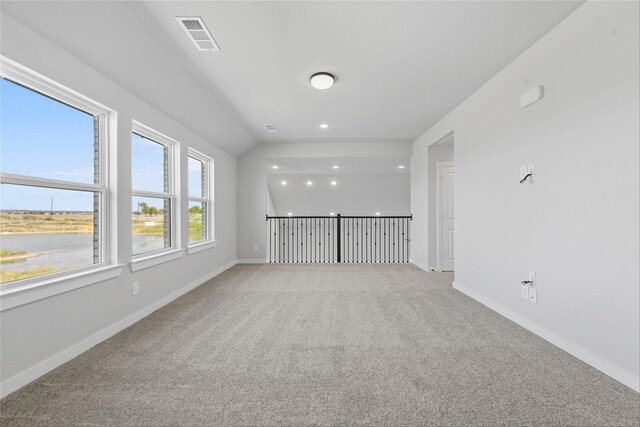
(441, 187)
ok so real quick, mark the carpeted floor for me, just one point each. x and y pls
(324, 345)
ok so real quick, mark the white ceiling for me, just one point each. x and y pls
(346, 165)
(401, 66)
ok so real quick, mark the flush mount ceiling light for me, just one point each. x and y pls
(334, 183)
(324, 126)
(377, 213)
(289, 214)
(336, 166)
(332, 214)
(274, 167)
(284, 183)
(322, 80)
(401, 167)
(309, 182)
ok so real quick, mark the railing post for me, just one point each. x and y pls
(339, 238)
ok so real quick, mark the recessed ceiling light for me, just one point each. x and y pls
(284, 183)
(401, 167)
(274, 167)
(334, 183)
(377, 213)
(309, 182)
(332, 214)
(289, 214)
(322, 80)
(336, 166)
(324, 125)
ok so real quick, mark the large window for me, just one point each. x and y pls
(153, 190)
(53, 189)
(200, 222)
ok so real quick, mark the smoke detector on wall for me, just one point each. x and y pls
(198, 33)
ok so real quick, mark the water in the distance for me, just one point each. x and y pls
(63, 251)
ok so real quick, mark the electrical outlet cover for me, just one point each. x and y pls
(533, 295)
(524, 291)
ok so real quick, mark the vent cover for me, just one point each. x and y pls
(271, 128)
(198, 32)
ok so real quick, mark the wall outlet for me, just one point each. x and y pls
(533, 294)
(524, 291)
(135, 289)
(256, 247)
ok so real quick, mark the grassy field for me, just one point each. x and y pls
(41, 223)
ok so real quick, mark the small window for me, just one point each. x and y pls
(200, 213)
(153, 194)
(52, 182)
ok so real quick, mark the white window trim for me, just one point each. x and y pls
(151, 258)
(210, 241)
(32, 289)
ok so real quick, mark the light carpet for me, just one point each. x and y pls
(324, 345)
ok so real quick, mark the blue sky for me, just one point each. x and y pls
(45, 138)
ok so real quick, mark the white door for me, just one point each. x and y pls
(446, 176)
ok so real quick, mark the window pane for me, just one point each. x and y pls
(149, 164)
(46, 230)
(196, 178)
(151, 224)
(44, 138)
(197, 226)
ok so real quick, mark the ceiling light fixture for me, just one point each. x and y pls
(289, 214)
(324, 125)
(401, 167)
(284, 183)
(332, 214)
(336, 166)
(274, 167)
(309, 182)
(322, 80)
(334, 183)
(377, 213)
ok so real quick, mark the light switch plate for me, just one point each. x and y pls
(524, 170)
(533, 295)
(524, 291)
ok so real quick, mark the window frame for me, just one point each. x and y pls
(209, 164)
(31, 80)
(174, 250)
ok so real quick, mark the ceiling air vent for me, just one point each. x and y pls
(198, 33)
(271, 128)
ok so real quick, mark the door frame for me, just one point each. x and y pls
(439, 166)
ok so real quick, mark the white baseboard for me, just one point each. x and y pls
(28, 375)
(617, 373)
(252, 261)
(422, 266)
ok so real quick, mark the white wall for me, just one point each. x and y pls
(576, 225)
(252, 182)
(33, 334)
(354, 194)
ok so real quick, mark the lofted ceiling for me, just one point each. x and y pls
(400, 66)
(363, 185)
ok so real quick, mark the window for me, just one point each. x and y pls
(53, 188)
(200, 223)
(153, 191)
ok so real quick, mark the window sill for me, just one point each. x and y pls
(155, 259)
(45, 288)
(202, 246)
